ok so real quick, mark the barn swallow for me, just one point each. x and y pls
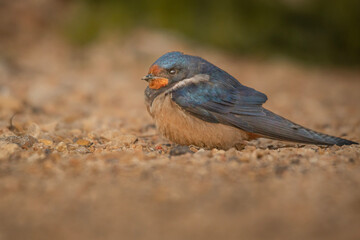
(193, 102)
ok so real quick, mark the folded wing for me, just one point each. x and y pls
(231, 103)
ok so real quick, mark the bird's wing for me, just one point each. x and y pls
(231, 103)
(221, 102)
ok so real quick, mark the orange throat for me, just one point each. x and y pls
(158, 83)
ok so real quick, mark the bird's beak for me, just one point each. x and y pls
(148, 77)
(155, 82)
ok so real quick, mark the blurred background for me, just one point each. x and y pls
(80, 157)
(316, 31)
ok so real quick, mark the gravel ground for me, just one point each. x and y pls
(81, 159)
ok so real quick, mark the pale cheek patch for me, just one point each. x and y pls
(158, 83)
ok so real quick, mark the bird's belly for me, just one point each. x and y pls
(185, 129)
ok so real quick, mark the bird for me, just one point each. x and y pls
(193, 102)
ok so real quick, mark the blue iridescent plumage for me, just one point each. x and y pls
(209, 99)
(220, 98)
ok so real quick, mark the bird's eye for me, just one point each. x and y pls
(172, 71)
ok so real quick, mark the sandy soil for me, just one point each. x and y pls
(82, 159)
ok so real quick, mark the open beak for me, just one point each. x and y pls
(148, 77)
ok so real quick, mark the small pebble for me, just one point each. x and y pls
(180, 150)
(61, 147)
(83, 142)
(46, 142)
(25, 141)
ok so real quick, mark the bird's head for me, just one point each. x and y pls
(173, 67)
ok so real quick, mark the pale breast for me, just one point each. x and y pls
(185, 129)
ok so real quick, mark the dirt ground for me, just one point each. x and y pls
(82, 159)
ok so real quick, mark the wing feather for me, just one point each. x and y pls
(231, 103)
(221, 102)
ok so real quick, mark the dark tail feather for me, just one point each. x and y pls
(276, 127)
